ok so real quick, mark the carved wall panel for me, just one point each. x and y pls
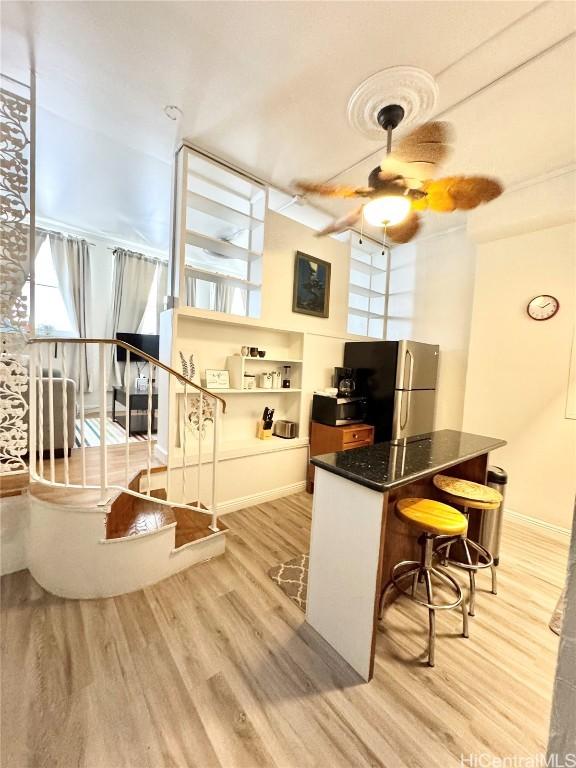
(16, 226)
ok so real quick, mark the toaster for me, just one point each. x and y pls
(286, 429)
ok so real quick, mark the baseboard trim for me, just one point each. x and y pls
(536, 521)
(259, 498)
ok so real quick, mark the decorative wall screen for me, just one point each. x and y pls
(16, 245)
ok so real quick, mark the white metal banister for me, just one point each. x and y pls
(210, 408)
(103, 414)
(51, 413)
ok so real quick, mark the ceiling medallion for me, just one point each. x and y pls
(414, 89)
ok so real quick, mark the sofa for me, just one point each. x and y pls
(61, 422)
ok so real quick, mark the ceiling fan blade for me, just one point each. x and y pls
(470, 191)
(418, 155)
(460, 192)
(342, 224)
(406, 230)
(331, 190)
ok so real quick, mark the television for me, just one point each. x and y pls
(147, 342)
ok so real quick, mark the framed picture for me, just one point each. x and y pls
(217, 379)
(311, 285)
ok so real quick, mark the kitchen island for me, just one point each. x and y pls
(356, 538)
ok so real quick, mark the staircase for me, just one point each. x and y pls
(132, 516)
(111, 519)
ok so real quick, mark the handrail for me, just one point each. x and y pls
(131, 349)
(217, 407)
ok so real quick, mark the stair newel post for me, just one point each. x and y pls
(51, 349)
(127, 377)
(217, 411)
(32, 406)
(200, 428)
(149, 415)
(82, 387)
(103, 446)
(40, 414)
(65, 415)
(184, 437)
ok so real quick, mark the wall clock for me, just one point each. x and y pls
(543, 307)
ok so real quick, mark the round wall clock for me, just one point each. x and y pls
(543, 307)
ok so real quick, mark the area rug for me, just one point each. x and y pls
(115, 433)
(292, 578)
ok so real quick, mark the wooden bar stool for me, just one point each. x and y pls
(433, 519)
(469, 496)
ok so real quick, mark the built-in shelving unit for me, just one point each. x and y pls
(219, 236)
(217, 344)
(368, 288)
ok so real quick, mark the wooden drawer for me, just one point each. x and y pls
(324, 439)
(358, 434)
(358, 444)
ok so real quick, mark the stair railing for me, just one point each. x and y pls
(44, 349)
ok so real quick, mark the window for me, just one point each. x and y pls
(223, 238)
(51, 315)
(368, 288)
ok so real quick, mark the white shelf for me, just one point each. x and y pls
(221, 247)
(238, 449)
(364, 313)
(219, 210)
(255, 391)
(237, 281)
(285, 360)
(368, 269)
(370, 293)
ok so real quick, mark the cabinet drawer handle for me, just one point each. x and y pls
(355, 436)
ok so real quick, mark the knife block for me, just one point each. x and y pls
(262, 433)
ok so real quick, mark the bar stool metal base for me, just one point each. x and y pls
(405, 578)
(485, 560)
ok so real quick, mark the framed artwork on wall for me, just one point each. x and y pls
(311, 295)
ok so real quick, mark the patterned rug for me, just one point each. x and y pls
(115, 433)
(292, 578)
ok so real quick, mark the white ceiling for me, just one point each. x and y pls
(265, 86)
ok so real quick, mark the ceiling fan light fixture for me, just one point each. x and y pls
(387, 210)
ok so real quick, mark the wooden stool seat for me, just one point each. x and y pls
(432, 516)
(468, 494)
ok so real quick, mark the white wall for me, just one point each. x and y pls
(14, 521)
(431, 289)
(283, 237)
(517, 385)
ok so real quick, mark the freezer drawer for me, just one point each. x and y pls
(413, 412)
(417, 365)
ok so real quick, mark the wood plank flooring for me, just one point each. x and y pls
(82, 497)
(215, 667)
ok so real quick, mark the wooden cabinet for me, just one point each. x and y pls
(324, 439)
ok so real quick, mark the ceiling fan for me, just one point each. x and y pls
(403, 184)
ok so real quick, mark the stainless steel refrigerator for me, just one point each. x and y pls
(398, 378)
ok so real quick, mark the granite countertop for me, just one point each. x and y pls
(385, 466)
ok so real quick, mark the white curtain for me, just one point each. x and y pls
(224, 296)
(190, 290)
(161, 289)
(221, 297)
(71, 259)
(133, 276)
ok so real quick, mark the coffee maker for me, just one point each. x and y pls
(344, 381)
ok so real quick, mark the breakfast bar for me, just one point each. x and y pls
(356, 538)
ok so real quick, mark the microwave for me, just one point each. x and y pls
(339, 411)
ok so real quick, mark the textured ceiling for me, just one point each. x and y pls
(265, 85)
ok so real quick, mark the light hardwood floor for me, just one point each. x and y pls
(215, 667)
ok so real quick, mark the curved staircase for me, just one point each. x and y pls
(111, 519)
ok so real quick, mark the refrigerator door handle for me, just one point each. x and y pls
(405, 396)
(411, 370)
